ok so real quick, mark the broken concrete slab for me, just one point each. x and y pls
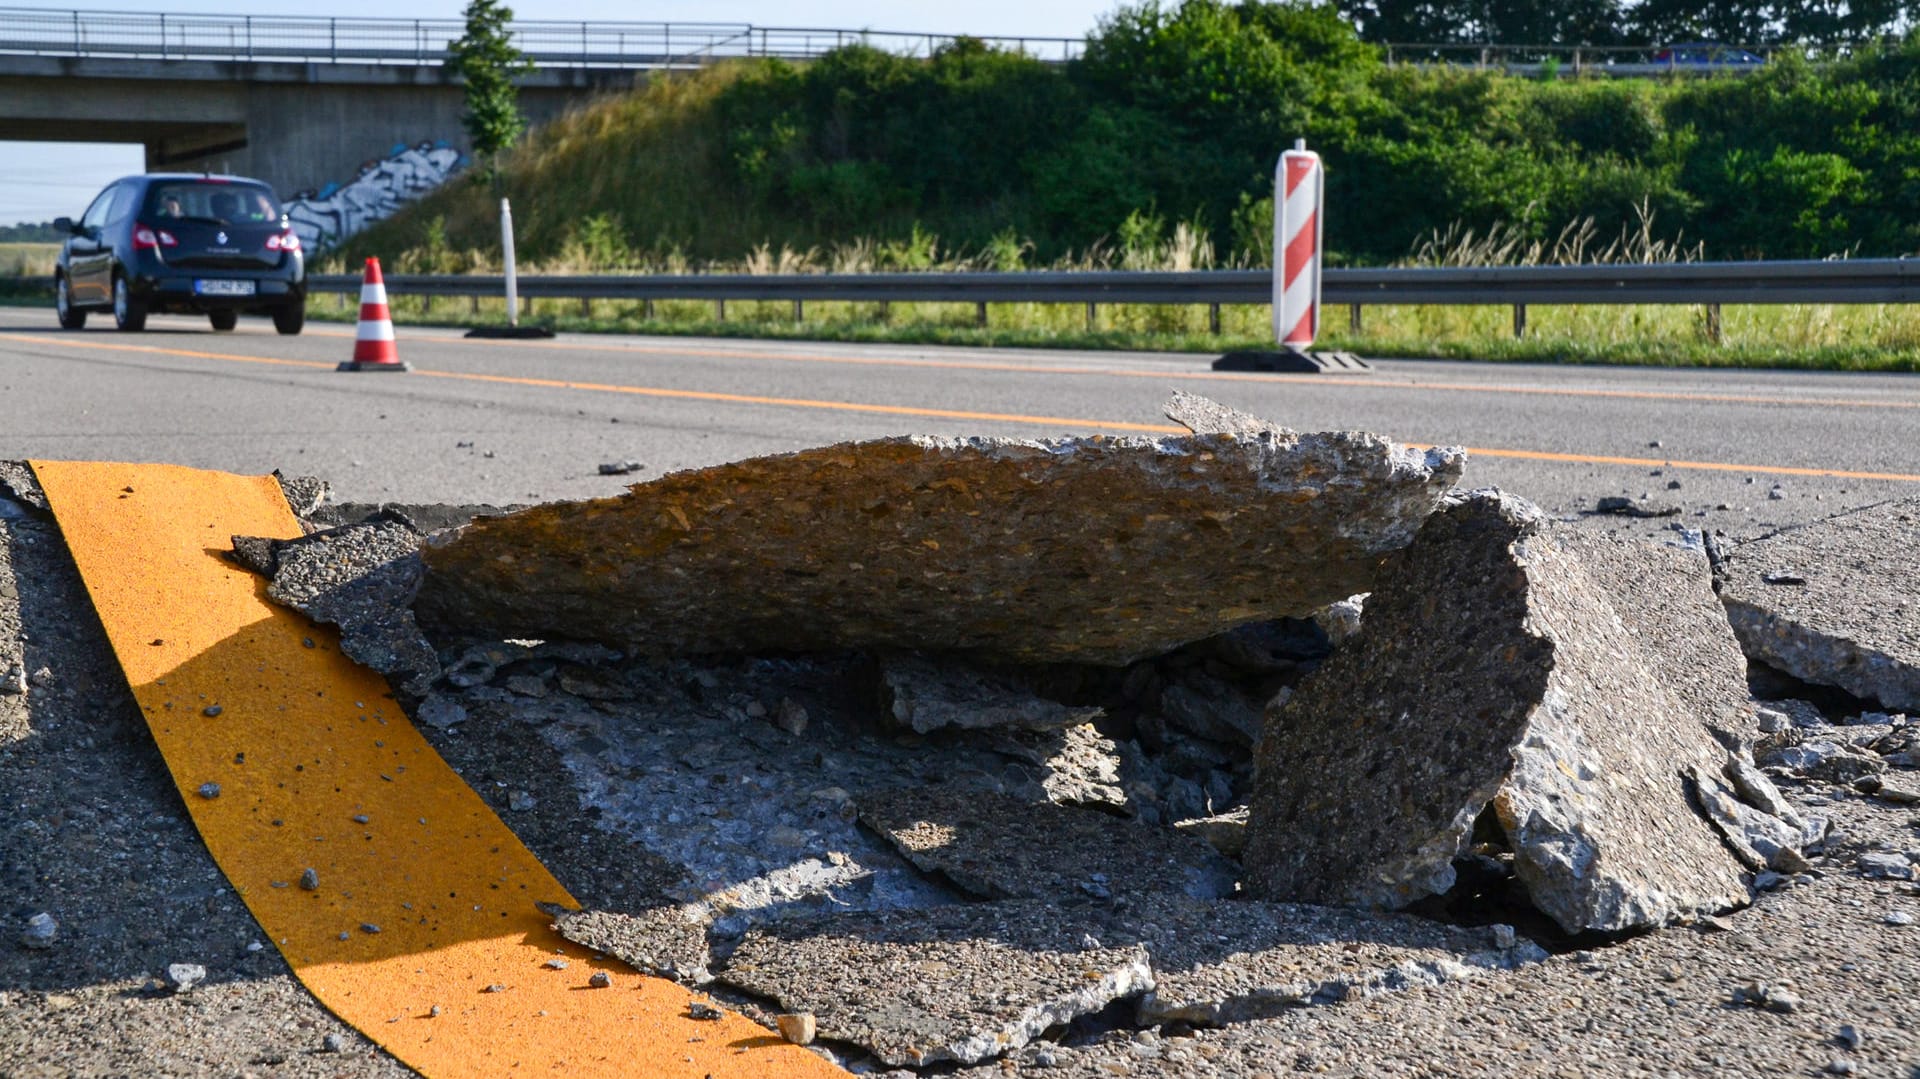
(922, 543)
(305, 495)
(1001, 847)
(1566, 680)
(922, 695)
(1836, 602)
(1209, 708)
(962, 983)
(361, 578)
(668, 941)
(1232, 961)
(1075, 765)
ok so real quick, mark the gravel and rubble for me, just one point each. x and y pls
(726, 817)
(998, 846)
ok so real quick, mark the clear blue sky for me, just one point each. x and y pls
(40, 181)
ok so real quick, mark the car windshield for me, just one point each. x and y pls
(201, 200)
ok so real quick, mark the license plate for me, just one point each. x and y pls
(223, 288)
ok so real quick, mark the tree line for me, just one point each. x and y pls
(1817, 23)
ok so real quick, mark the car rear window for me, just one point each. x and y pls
(228, 204)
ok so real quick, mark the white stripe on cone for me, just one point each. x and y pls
(373, 292)
(374, 331)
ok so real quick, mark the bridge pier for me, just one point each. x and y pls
(298, 126)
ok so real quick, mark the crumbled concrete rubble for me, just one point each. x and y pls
(970, 982)
(1565, 680)
(1001, 847)
(305, 496)
(931, 544)
(360, 577)
(1836, 602)
(1079, 766)
(1224, 832)
(669, 941)
(1222, 962)
(924, 695)
(961, 983)
(17, 483)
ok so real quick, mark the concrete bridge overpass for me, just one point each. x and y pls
(309, 104)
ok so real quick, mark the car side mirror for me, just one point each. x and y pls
(65, 224)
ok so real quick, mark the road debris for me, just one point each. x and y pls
(1852, 619)
(926, 543)
(1559, 681)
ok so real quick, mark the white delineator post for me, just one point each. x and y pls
(506, 257)
(1298, 184)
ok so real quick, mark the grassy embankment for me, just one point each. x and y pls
(654, 181)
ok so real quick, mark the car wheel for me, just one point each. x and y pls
(290, 319)
(71, 317)
(223, 320)
(129, 314)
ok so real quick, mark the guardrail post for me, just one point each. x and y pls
(586, 307)
(1093, 316)
(1519, 320)
(886, 312)
(1713, 323)
(249, 20)
(646, 309)
(980, 314)
(163, 35)
(799, 311)
(1213, 319)
(506, 258)
(720, 310)
(473, 303)
(1353, 318)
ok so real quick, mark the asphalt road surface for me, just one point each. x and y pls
(515, 422)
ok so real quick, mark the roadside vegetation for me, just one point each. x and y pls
(28, 259)
(1155, 151)
(1175, 115)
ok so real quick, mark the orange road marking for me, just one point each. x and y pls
(987, 417)
(1043, 368)
(424, 898)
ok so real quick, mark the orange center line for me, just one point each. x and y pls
(955, 414)
(1044, 368)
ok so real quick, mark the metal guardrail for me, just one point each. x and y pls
(548, 43)
(1852, 281)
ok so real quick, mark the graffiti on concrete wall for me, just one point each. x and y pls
(329, 215)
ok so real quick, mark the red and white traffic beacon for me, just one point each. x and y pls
(1299, 187)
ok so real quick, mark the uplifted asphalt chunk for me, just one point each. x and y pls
(359, 577)
(1000, 847)
(1097, 550)
(1231, 961)
(667, 941)
(961, 983)
(922, 695)
(1568, 681)
(1835, 602)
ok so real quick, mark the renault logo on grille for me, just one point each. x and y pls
(219, 237)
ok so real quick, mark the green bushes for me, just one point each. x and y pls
(1176, 114)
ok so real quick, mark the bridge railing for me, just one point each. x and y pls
(140, 35)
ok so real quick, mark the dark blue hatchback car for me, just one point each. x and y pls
(218, 245)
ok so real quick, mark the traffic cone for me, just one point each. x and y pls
(373, 348)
